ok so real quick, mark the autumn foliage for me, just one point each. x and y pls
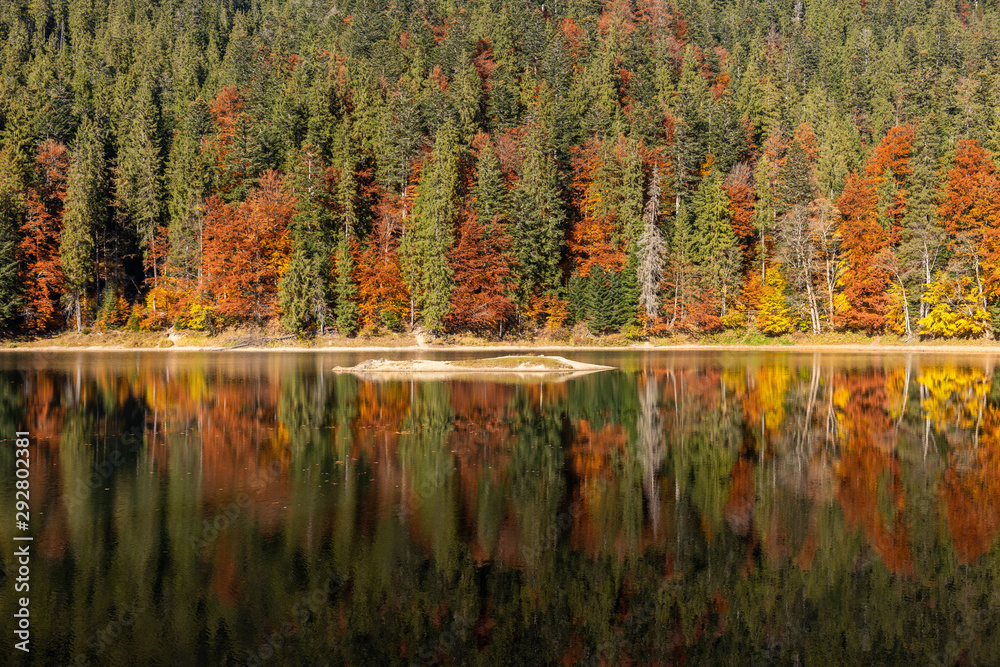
(39, 248)
(481, 260)
(247, 247)
(863, 299)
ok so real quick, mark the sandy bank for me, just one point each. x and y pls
(521, 364)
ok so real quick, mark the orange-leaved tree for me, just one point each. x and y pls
(863, 300)
(247, 248)
(739, 189)
(971, 214)
(595, 237)
(481, 259)
(889, 170)
(383, 299)
(39, 248)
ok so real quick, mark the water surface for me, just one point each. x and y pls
(254, 508)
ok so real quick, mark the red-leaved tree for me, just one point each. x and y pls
(39, 247)
(247, 249)
(863, 297)
(481, 260)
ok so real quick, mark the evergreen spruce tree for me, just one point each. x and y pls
(628, 292)
(140, 188)
(690, 104)
(717, 253)
(187, 179)
(314, 228)
(922, 250)
(295, 292)
(712, 221)
(11, 215)
(577, 295)
(491, 192)
(630, 197)
(603, 302)
(795, 180)
(538, 215)
(86, 208)
(347, 292)
(765, 210)
(424, 248)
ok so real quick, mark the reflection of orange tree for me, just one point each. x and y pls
(591, 457)
(971, 492)
(867, 472)
(382, 408)
(482, 436)
(235, 427)
(46, 415)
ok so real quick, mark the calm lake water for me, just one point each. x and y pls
(255, 508)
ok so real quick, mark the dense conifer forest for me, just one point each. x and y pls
(639, 166)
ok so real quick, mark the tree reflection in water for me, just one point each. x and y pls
(770, 508)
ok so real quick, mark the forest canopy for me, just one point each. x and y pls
(478, 166)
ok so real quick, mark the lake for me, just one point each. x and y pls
(256, 509)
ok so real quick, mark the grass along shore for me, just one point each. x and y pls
(255, 339)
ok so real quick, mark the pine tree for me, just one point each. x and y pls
(295, 292)
(630, 196)
(187, 182)
(347, 292)
(313, 227)
(86, 210)
(140, 186)
(690, 104)
(795, 180)
(491, 192)
(537, 218)
(425, 245)
(717, 254)
(12, 211)
(603, 301)
(628, 292)
(922, 246)
(766, 209)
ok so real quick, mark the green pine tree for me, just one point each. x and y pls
(538, 214)
(628, 292)
(491, 192)
(425, 245)
(295, 292)
(11, 215)
(795, 180)
(86, 211)
(346, 311)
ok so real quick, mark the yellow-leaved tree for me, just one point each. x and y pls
(955, 308)
(774, 316)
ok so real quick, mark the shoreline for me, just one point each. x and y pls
(258, 340)
(870, 348)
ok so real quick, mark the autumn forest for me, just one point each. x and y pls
(630, 166)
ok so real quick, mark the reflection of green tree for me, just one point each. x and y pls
(407, 585)
(428, 469)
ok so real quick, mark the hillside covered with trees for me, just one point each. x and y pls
(633, 165)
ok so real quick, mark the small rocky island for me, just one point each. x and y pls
(508, 364)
